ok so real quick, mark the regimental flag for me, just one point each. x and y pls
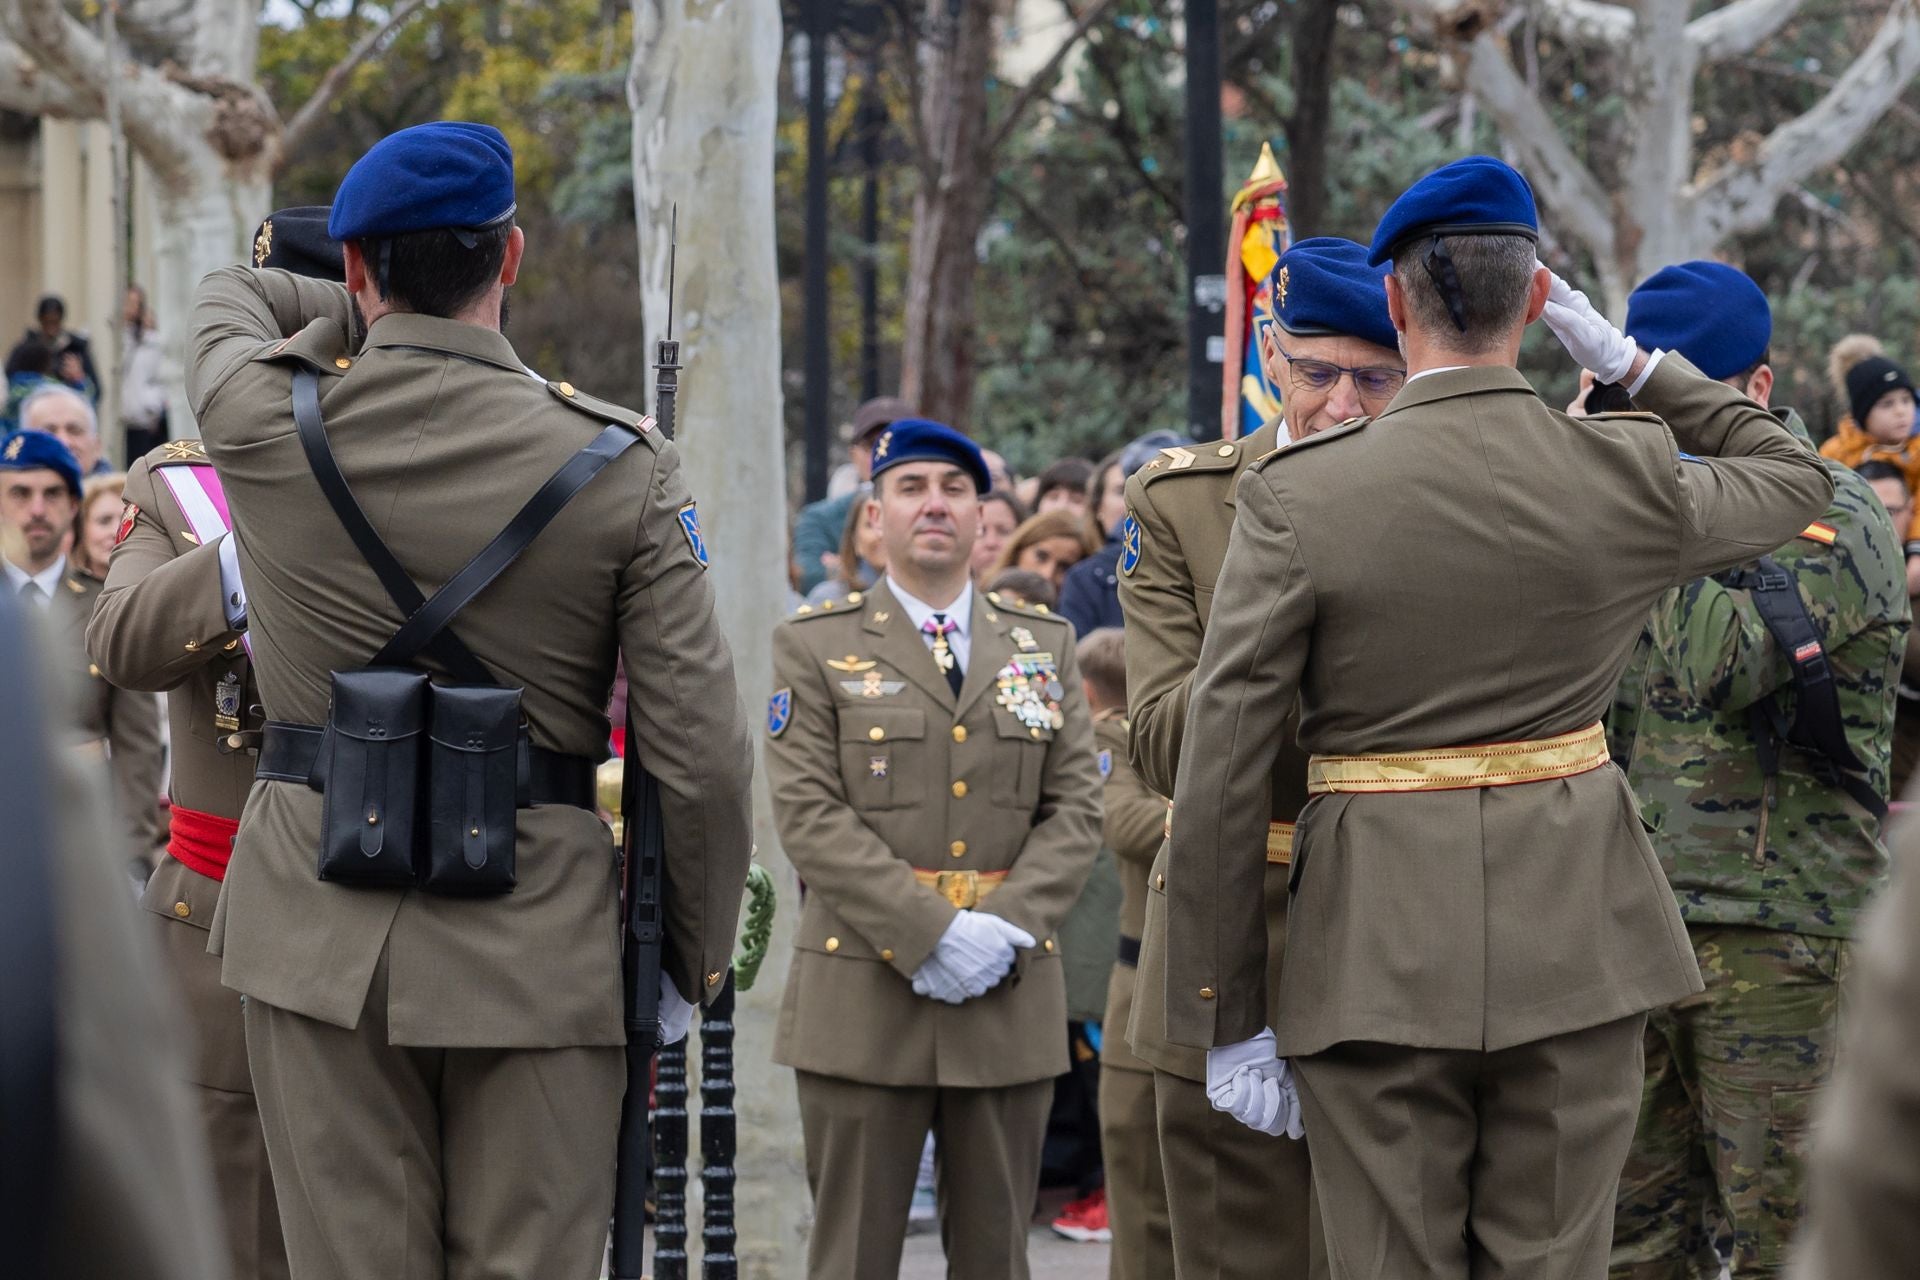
(1260, 235)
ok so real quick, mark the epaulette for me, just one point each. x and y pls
(1351, 427)
(1007, 604)
(1196, 459)
(177, 453)
(843, 606)
(1630, 415)
(321, 346)
(604, 411)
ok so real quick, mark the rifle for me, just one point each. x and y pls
(643, 849)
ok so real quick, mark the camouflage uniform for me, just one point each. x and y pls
(1771, 879)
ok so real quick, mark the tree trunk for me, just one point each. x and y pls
(936, 352)
(702, 90)
(206, 221)
(1312, 110)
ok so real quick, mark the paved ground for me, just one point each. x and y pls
(1052, 1258)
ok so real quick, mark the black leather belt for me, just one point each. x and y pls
(288, 751)
(1129, 951)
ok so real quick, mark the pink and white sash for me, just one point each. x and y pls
(196, 488)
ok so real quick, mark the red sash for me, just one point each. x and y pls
(202, 841)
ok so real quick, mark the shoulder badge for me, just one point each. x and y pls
(1130, 545)
(1820, 531)
(177, 452)
(690, 525)
(604, 410)
(779, 712)
(1221, 455)
(1106, 764)
(129, 512)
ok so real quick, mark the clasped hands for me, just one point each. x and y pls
(1254, 1086)
(975, 952)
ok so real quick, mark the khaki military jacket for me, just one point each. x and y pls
(878, 770)
(161, 625)
(1182, 504)
(1132, 825)
(114, 722)
(1468, 567)
(443, 435)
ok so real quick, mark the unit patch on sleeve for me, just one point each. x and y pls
(779, 712)
(690, 525)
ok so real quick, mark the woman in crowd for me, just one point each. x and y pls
(1048, 544)
(863, 558)
(97, 523)
(1000, 514)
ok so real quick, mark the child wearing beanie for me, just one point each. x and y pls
(1879, 426)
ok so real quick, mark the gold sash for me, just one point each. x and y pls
(1279, 837)
(1493, 764)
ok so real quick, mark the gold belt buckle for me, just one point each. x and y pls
(961, 888)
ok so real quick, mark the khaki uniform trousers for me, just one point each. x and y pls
(1241, 1202)
(1136, 1177)
(863, 1152)
(222, 1087)
(1436, 1164)
(449, 1164)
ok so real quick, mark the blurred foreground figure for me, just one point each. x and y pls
(102, 1169)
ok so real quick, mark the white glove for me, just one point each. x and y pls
(973, 954)
(676, 1014)
(1249, 1083)
(1588, 336)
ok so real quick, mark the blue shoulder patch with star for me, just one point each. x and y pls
(1129, 545)
(779, 712)
(690, 525)
(1106, 764)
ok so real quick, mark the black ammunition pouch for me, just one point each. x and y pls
(1815, 728)
(369, 770)
(422, 780)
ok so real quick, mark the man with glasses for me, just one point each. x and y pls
(1237, 1199)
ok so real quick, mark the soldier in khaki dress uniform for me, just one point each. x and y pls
(172, 618)
(440, 1077)
(934, 779)
(1239, 1199)
(1478, 922)
(117, 731)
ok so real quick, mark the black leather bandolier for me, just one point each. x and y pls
(1816, 729)
(422, 778)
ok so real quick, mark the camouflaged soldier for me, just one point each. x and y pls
(1772, 849)
(1239, 1200)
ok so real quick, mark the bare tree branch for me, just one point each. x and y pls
(1740, 27)
(69, 53)
(1743, 196)
(1042, 80)
(335, 81)
(1580, 204)
(25, 88)
(1607, 26)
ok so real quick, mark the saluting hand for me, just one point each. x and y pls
(1588, 336)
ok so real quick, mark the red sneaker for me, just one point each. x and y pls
(1085, 1220)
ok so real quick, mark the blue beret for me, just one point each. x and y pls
(1709, 312)
(918, 440)
(443, 175)
(34, 450)
(1477, 196)
(1325, 287)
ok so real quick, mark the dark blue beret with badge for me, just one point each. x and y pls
(918, 440)
(1477, 196)
(1326, 287)
(448, 175)
(37, 450)
(1709, 312)
(296, 240)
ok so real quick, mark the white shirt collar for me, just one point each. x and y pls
(1445, 368)
(960, 612)
(47, 579)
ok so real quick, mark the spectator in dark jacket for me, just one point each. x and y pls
(1090, 596)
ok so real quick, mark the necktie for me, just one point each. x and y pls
(937, 629)
(30, 592)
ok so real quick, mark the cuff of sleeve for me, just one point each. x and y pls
(1653, 362)
(233, 594)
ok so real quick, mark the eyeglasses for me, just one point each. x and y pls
(1373, 382)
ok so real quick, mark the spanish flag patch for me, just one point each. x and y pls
(1820, 531)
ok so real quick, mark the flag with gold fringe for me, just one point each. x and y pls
(1259, 236)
